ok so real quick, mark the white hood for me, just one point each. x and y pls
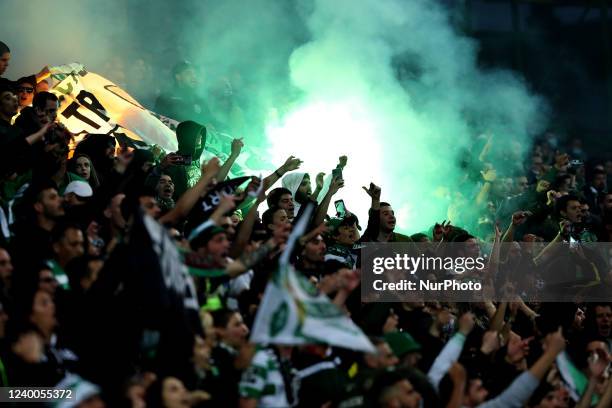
(292, 182)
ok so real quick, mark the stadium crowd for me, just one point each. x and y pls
(93, 300)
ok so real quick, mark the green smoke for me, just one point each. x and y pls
(418, 100)
(390, 83)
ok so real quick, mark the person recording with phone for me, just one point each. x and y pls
(343, 236)
(183, 166)
(300, 187)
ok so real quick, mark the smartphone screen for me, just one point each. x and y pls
(340, 208)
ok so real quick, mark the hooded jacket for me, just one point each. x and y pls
(187, 134)
(292, 182)
(94, 146)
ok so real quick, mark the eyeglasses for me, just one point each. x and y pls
(25, 89)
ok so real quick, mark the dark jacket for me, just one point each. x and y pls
(27, 121)
(14, 150)
(183, 105)
(229, 377)
(187, 134)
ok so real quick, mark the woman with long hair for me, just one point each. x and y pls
(82, 165)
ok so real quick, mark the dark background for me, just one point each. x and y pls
(562, 48)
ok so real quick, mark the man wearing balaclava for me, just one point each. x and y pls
(191, 139)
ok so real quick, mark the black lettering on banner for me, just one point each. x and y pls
(228, 187)
(73, 110)
(88, 100)
(206, 205)
(213, 200)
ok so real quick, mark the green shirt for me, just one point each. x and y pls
(263, 380)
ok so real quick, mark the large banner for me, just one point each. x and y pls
(90, 103)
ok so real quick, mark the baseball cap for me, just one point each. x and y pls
(335, 223)
(402, 343)
(201, 235)
(79, 188)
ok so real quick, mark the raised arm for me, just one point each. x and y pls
(190, 197)
(518, 218)
(43, 74)
(495, 254)
(38, 135)
(292, 163)
(319, 186)
(336, 184)
(371, 231)
(237, 145)
(486, 148)
(517, 394)
(319, 230)
(489, 177)
(246, 228)
(323, 183)
(250, 259)
(551, 248)
(553, 345)
(451, 351)
(497, 322)
(374, 192)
